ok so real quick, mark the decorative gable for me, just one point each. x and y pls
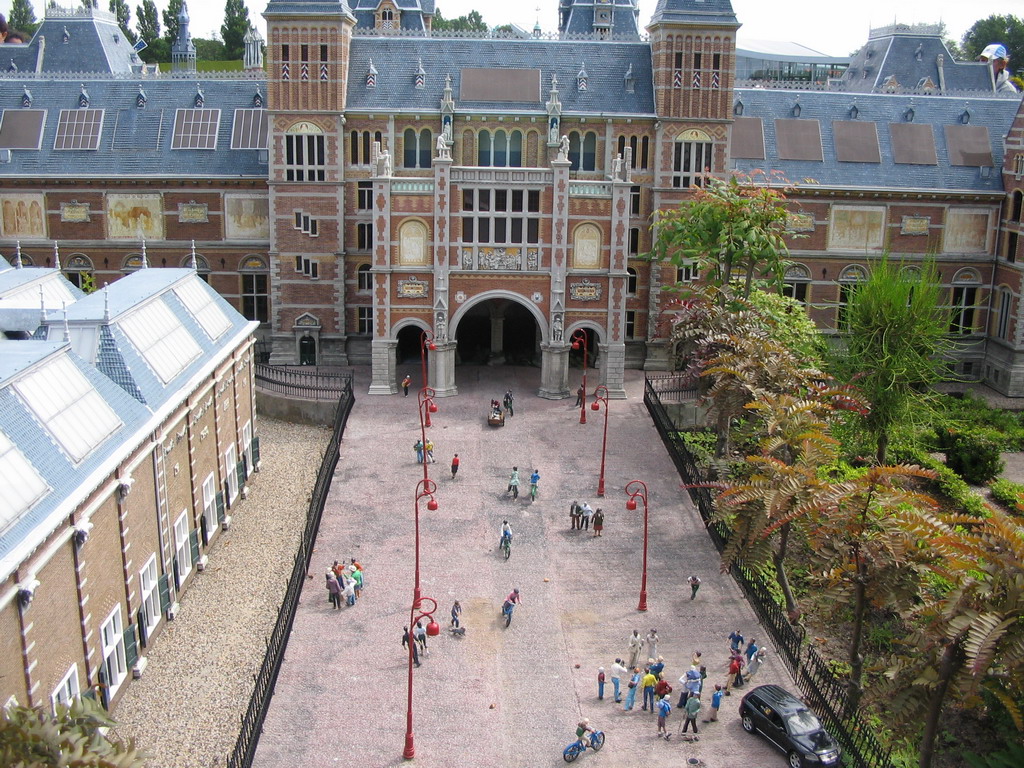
(582, 78)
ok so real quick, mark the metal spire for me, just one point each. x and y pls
(56, 256)
(145, 261)
(194, 265)
(17, 255)
(106, 305)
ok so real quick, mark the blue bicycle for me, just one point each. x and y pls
(578, 747)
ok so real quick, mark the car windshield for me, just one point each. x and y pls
(801, 723)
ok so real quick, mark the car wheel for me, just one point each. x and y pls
(748, 725)
(795, 761)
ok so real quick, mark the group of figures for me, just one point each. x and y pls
(581, 516)
(344, 583)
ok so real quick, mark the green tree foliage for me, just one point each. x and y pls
(36, 739)
(209, 50)
(234, 29)
(147, 21)
(23, 17)
(893, 344)
(471, 22)
(730, 228)
(170, 16)
(1008, 30)
(124, 18)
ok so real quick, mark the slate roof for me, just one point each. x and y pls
(579, 19)
(694, 12)
(306, 7)
(883, 109)
(134, 141)
(909, 58)
(411, 19)
(396, 60)
(95, 44)
(104, 354)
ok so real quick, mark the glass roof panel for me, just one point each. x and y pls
(203, 307)
(164, 343)
(21, 485)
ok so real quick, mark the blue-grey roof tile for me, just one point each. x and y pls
(909, 59)
(694, 12)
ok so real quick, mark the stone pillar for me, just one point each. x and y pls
(612, 369)
(657, 356)
(554, 371)
(383, 356)
(441, 373)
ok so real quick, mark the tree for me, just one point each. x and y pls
(894, 341)
(209, 50)
(33, 737)
(171, 21)
(147, 21)
(124, 18)
(730, 228)
(1008, 30)
(23, 17)
(472, 22)
(236, 26)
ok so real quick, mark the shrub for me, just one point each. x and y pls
(1009, 493)
(954, 488)
(974, 454)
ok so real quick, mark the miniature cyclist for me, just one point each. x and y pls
(582, 729)
(511, 600)
(513, 483)
(506, 534)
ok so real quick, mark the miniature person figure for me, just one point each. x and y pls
(694, 583)
(455, 465)
(600, 683)
(442, 146)
(556, 328)
(618, 672)
(664, 707)
(616, 167)
(456, 613)
(598, 521)
(405, 384)
(636, 647)
(563, 148)
(574, 515)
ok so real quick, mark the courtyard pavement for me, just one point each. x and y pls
(505, 697)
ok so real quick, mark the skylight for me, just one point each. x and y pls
(250, 129)
(195, 129)
(164, 343)
(21, 486)
(203, 307)
(22, 128)
(55, 294)
(79, 129)
(68, 406)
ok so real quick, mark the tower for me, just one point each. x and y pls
(308, 60)
(183, 52)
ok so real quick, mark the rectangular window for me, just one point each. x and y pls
(716, 62)
(696, 61)
(182, 550)
(304, 52)
(364, 317)
(630, 323)
(247, 447)
(364, 236)
(148, 581)
(364, 278)
(285, 53)
(305, 157)
(498, 216)
(209, 508)
(691, 161)
(115, 663)
(634, 241)
(231, 468)
(68, 690)
(963, 306)
(365, 195)
(255, 297)
(795, 290)
(79, 129)
(1012, 238)
(687, 273)
(845, 289)
(634, 201)
(323, 53)
(1002, 323)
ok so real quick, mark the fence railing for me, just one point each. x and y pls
(265, 680)
(822, 689)
(307, 382)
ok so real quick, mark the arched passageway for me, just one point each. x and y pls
(498, 332)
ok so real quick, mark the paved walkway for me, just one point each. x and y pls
(504, 697)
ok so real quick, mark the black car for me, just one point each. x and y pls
(788, 724)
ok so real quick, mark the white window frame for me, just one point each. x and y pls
(210, 504)
(182, 545)
(305, 157)
(67, 690)
(230, 467)
(112, 645)
(247, 447)
(149, 581)
(687, 272)
(690, 163)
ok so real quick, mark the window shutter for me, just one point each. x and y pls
(240, 471)
(131, 646)
(220, 506)
(104, 687)
(164, 585)
(193, 542)
(140, 619)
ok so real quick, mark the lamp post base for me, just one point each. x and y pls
(643, 602)
(410, 750)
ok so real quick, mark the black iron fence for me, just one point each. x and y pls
(823, 689)
(306, 381)
(266, 678)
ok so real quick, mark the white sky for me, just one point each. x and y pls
(836, 30)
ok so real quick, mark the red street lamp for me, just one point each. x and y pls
(426, 407)
(433, 630)
(425, 488)
(580, 334)
(641, 491)
(426, 342)
(596, 406)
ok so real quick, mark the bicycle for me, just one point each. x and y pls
(506, 546)
(506, 611)
(533, 492)
(581, 745)
(514, 490)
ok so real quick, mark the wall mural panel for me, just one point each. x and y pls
(135, 217)
(857, 228)
(22, 216)
(246, 217)
(966, 230)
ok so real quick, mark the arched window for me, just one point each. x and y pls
(795, 282)
(631, 277)
(582, 151)
(483, 148)
(691, 159)
(417, 148)
(640, 148)
(500, 149)
(364, 278)
(360, 146)
(848, 280)
(78, 270)
(1017, 207)
(964, 302)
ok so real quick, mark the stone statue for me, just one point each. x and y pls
(553, 131)
(384, 163)
(563, 148)
(617, 168)
(447, 129)
(442, 147)
(441, 326)
(556, 327)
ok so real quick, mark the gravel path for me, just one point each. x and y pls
(185, 709)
